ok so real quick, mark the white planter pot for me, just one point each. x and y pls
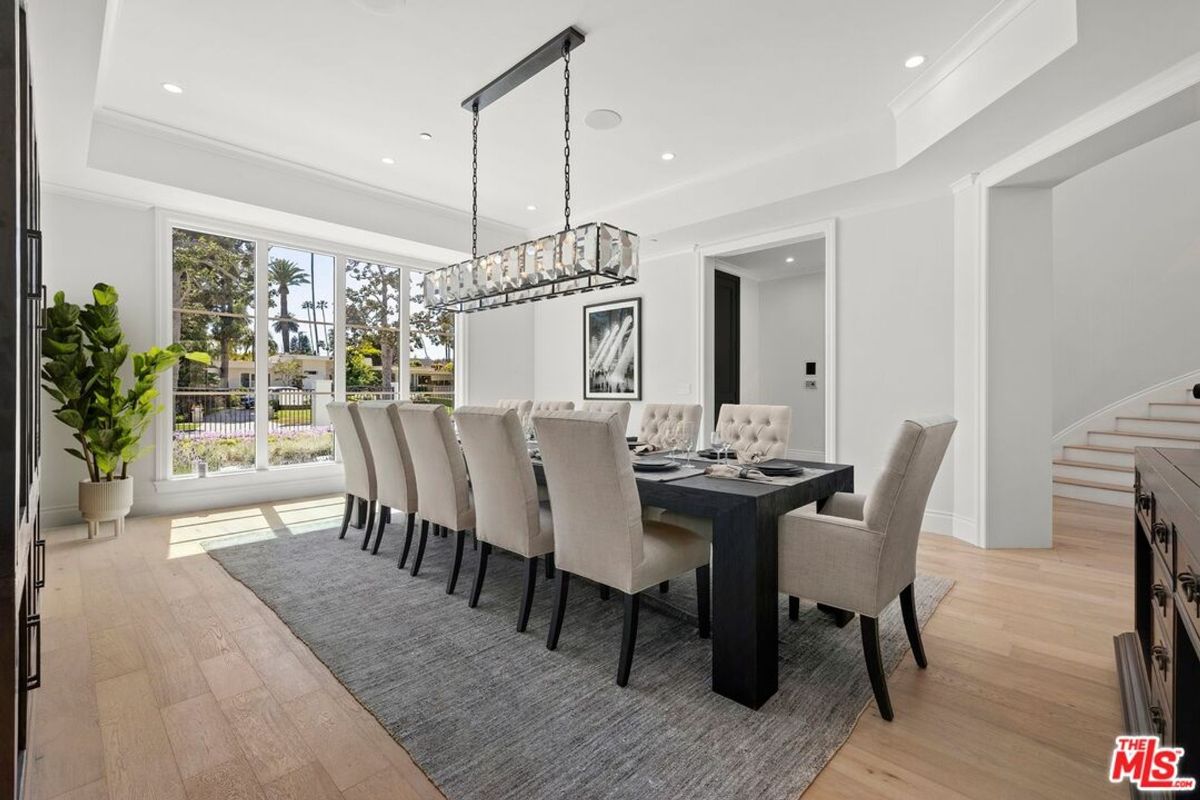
(106, 501)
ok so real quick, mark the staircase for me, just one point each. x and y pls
(1100, 467)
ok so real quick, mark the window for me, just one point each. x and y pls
(261, 403)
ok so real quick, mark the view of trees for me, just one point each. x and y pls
(282, 276)
(373, 296)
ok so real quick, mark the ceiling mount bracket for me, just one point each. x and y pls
(524, 69)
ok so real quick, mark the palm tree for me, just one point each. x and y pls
(285, 274)
(322, 305)
(308, 306)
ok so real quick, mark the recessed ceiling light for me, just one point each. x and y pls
(383, 7)
(914, 61)
(602, 119)
(426, 136)
(388, 160)
(668, 156)
(531, 208)
(173, 88)
(789, 260)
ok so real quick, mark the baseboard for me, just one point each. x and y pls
(947, 524)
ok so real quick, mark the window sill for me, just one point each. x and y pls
(264, 477)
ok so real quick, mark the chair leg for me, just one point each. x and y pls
(664, 587)
(549, 566)
(841, 617)
(385, 516)
(527, 595)
(909, 610)
(346, 515)
(703, 599)
(460, 538)
(474, 541)
(793, 608)
(604, 592)
(416, 567)
(369, 527)
(628, 637)
(477, 587)
(408, 534)
(362, 513)
(560, 607)
(870, 641)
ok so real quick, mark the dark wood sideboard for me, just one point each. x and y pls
(22, 302)
(1158, 665)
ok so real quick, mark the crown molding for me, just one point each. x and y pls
(179, 136)
(957, 54)
(80, 193)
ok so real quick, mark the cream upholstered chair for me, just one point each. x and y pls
(655, 417)
(396, 484)
(761, 431)
(522, 407)
(443, 494)
(620, 407)
(357, 464)
(598, 529)
(859, 552)
(553, 405)
(507, 512)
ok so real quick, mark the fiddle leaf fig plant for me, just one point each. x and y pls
(83, 350)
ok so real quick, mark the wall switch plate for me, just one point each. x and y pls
(810, 384)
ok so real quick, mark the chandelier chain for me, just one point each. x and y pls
(475, 182)
(566, 135)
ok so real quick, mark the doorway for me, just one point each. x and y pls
(768, 325)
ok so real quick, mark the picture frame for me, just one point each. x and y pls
(612, 350)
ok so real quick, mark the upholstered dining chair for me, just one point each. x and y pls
(395, 481)
(621, 407)
(858, 553)
(357, 464)
(443, 494)
(599, 533)
(522, 407)
(507, 512)
(753, 430)
(656, 417)
(553, 405)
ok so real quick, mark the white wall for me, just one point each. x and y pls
(895, 336)
(790, 331)
(499, 355)
(1126, 275)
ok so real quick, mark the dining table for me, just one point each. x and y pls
(745, 560)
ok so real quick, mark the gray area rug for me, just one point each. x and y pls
(490, 713)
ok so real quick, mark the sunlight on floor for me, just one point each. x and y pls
(189, 534)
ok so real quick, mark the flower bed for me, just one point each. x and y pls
(230, 452)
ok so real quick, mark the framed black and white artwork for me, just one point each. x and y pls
(612, 350)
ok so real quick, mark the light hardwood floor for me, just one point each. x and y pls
(165, 678)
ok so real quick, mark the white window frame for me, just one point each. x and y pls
(166, 221)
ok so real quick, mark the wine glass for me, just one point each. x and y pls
(689, 439)
(717, 443)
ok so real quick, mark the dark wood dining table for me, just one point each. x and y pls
(745, 563)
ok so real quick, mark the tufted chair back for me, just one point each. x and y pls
(522, 407)
(598, 531)
(444, 496)
(619, 407)
(554, 405)
(756, 430)
(395, 480)
(655, 414)
(356, 452)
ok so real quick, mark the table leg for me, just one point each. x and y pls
(745, 619)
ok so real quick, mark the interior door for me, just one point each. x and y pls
(727, 339)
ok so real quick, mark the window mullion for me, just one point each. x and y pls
(404, 357)
(262, 353)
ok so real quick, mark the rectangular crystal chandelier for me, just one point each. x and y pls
(582, 259)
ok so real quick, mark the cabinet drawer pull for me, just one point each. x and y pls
(1187, 585)
(1158, 720)
(1143, 501)
(1160, 594)
(1161, 532)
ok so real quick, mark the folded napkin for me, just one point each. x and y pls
(730, 471)
(645, 449)
(750, 457)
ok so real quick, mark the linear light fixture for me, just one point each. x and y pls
(577, 259)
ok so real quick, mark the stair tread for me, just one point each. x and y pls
(1164, 419)
(1112, 487)
(1145, 435)
(1166, 403)
(1067, 462)
(1102, 448)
